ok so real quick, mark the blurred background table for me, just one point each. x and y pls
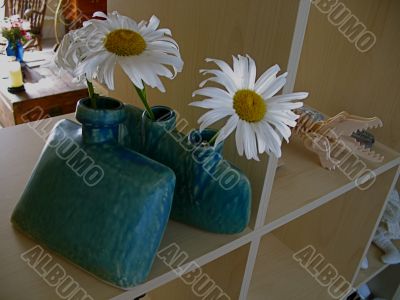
(47, 93)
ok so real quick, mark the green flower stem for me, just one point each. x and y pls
(92, 94)
(213, 139)
(143, 98)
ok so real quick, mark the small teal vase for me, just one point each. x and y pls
(16, 50)
(210, 193)
(95, 202)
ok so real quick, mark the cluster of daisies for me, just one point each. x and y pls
(145, 53)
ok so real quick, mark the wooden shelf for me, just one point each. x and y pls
(301, 184)
(202, 247)
(278, 276)
(296, 205)
(375, 265)
(274, 257)
(226, 271)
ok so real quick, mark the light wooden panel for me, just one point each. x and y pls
(227, 272)
(278, 276)
(216, 29)
(295, 184)
(341, 229)
(339, 77)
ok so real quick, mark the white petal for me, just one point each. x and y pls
(128, 66)
(266, 79)
(275, 86)
(228, 128)
(162, 46)
(250, 146)
(212, 93)
(153, 23)
(226, 69)
(213, 116)
(252, 72)
(282, 106)
(283, 129)
(274, 141)
(288, 97)
(260, 137)
(221, 78)
(211, 103)
(239, 137)
(106, 72)
(244, 71)
(148, 73)
(174, 61)
(90, 65)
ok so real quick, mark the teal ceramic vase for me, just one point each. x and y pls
(210, 193)
(102, 206)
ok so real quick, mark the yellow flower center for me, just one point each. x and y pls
(124, 42)
(249, 105)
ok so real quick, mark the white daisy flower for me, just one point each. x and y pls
(260, 118)
(70, 53)
(143, 51)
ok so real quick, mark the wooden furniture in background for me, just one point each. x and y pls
(32, 10)
(75, 12)
(44, 89)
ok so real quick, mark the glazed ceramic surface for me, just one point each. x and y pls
(101, 205)
(210, 193)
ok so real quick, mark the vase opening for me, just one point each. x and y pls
(100, 124)
(103, 103)
(161, 113)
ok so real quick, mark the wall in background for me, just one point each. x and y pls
(2, 9)
(339, 77)
(217, 29)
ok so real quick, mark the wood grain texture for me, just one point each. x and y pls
(301, 180)
(227, 272)
(278, 276)
(341, 229)
(339, 77)
(216, 29)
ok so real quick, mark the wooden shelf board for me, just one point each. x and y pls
(20, 147)
(278, 276)
(375, 265)
(301, 184)
(202, 247)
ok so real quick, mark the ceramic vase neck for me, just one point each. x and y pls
(165, 117)
(201, 140)
(101, 124)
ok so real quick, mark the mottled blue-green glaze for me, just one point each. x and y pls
(111, 227)
(210, 193)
